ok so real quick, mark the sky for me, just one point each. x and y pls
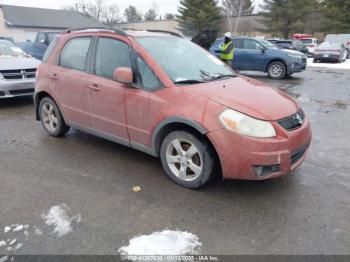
(164, 6)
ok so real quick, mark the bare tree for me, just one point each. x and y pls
(108, 14)
(237, 7)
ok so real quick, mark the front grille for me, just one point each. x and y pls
(22, 91)
(18, 74)
(292, 122)
(298, 154)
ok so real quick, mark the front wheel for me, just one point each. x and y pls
(51, 118)
(187, 160)
(276, 70)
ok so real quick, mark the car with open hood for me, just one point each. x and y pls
(166, 96)
(17, 71)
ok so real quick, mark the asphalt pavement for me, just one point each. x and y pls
(306, 212)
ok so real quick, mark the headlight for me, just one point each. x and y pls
(246, 125)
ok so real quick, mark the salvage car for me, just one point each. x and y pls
(330, 52)
(253, 54)
(17, 71)
(168, 97)
(296, 45)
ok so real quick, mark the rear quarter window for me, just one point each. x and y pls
(74, 53)
(50, 49)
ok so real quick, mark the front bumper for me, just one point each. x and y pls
(240, 155)
(14, 88)
(296, 66)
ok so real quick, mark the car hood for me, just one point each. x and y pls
(248, 96)
(293, 52)
(13, 63)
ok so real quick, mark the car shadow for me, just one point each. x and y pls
(8, 103)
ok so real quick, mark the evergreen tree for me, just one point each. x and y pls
(132, 15)
(237, 7)
(198, 15)
(337, 16)
(150, 15)
(285, 17)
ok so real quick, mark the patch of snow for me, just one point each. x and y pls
(2, 243)
(18, 246)
(18, 228)
(167, 242)
(344, 65)
(58, 218)
(12, 242)
(7, 229)
(3, 259)
(37, 231)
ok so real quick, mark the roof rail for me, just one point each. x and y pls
(164, 31)
(117, 31)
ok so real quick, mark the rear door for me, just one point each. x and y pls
(68, 81)
(107, 96)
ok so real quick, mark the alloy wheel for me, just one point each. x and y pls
(276, 70)
(184, 159)
(49, 116)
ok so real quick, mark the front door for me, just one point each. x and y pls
(68, 81)
(106, 95)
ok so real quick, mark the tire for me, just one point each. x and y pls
(276, 70)
(179, 167)
(315, 60)
(51, 118)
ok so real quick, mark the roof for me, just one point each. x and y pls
(21, 16)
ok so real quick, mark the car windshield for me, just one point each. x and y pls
(327, 45)
(184, 61)
(7, 49)
(306, 41)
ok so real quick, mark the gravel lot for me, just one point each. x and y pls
(92, 180)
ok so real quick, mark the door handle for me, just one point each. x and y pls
(94, 86)
(54, 76)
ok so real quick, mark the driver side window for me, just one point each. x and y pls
(250, 44)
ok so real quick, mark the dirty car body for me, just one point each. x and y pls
(17, 71)
(197, 115)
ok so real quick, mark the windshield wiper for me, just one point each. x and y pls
(189, 81)
(221, 76)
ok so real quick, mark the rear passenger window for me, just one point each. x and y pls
(111, 54)
(75, 52)
(50, 49)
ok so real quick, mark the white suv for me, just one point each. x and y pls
(311, 45)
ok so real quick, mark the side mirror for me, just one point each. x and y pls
(123, 75)
(263, 49)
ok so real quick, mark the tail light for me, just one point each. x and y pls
(311, 46)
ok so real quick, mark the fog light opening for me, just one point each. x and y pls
(263, 171)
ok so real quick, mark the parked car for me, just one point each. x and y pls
(296, 45)
(10, 39)
(38, 47)
(17, 71)
(340, 39)
(168, 97)
(330, 52)
(311, 45)
(260, 55)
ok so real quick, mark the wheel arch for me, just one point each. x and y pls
(276, 60)
(171, 124)
(179, 123)
(38, 97)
